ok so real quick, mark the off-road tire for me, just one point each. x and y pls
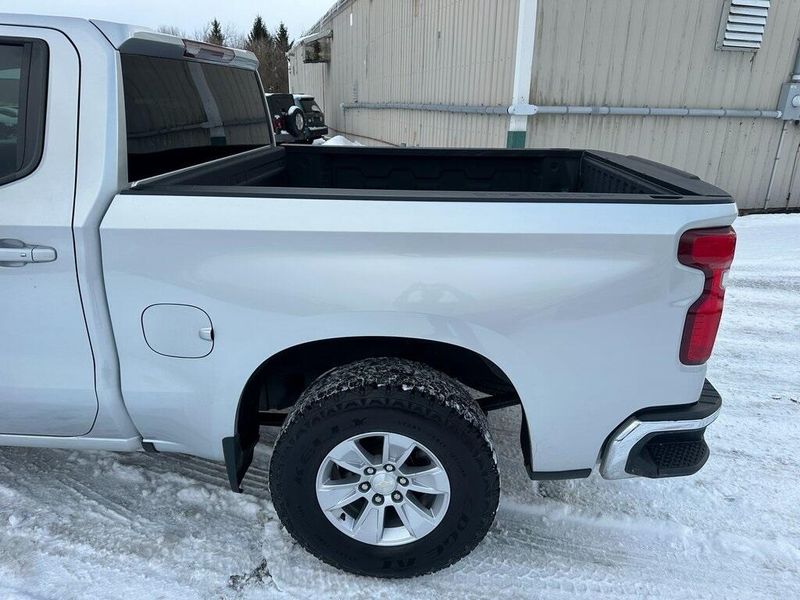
(398, 396)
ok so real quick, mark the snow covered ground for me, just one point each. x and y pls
(337, 140)
(101, 525)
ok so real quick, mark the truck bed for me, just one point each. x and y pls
(534, 175)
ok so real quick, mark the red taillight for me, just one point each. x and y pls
(711, 251)
(277, 123)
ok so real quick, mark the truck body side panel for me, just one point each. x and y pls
(581, 305)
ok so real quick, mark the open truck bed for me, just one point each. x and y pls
(534, 175)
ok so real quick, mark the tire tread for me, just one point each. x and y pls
(333, 392)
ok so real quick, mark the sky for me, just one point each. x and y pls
(189, 16)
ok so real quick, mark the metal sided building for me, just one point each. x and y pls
(708, 86)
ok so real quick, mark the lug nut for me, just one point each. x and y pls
(377, 499)
(402, 481)
(389, 468)
(369, 471)
(364, 487)
(397, 496)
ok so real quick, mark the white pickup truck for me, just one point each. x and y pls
(172, 280)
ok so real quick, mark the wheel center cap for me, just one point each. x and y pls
(384, 483)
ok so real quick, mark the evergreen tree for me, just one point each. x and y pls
(214, 34)
(258, 33)
(269, 48)
(282, 38)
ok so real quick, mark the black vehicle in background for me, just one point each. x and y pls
(315, 118)
(296, 118)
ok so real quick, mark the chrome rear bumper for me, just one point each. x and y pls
(645, 445)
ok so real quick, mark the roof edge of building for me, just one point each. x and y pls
(334, 10)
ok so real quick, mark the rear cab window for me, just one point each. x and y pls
(180, 113)
(23, 91)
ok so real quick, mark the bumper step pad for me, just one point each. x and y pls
(668, 455)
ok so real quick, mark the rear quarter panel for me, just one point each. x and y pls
(581, 305)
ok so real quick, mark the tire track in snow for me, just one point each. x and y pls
(215, 477)
(110, 508)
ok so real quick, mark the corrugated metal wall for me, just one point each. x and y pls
(588, 52)
(432, 51)
(655, 53)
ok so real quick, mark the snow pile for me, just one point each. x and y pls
(101, 525)
(337, 140)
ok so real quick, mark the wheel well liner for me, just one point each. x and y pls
(279, 380)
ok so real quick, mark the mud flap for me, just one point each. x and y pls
(237, 460)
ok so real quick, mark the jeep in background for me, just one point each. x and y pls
(315, 118)
(295, 118)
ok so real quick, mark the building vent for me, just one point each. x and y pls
(742, 26)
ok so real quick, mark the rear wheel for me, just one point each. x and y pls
(296, 121)
(385, 468)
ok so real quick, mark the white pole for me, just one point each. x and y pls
(523, 67)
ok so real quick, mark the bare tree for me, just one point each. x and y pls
(233, 37)
(172, 30)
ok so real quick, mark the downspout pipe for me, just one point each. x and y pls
(796, 70)
(785, 94)
(523, 67)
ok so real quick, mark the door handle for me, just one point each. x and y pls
(14, 253)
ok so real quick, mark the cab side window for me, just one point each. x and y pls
(23, 86)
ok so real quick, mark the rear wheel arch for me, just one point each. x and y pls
(280, 379)
(278, 382)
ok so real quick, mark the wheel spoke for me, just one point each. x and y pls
(332, 496)
(417, 519)
(369, 525)
(350, 456)
(410, 518)
(431, 480)
(397, 448)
